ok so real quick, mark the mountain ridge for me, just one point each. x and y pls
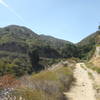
(21, 43)
(23, 35)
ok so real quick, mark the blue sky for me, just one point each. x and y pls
(66, 19)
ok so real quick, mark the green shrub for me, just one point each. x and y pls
(17, 66)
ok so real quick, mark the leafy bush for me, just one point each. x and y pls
(17, 66)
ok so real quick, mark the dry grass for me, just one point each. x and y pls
(93, 67)
(8, 81)
(46, 85)
(95, 61)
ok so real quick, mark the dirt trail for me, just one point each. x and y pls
(83, 88)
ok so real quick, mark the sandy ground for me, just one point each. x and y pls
(83, 88)
(96, 82)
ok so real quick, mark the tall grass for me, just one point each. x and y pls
(93, 67)
(46, 85)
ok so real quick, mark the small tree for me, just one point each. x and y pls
(34, 58)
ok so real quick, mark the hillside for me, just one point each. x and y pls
(46, 85)
(17, 44)
(21, 50)
(93, 38)
(26, 51)
(46, 68)
(88, 44)
(95, 59)
(19, 39)
(54, 42)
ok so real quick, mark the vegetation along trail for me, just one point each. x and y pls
(83, 88)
